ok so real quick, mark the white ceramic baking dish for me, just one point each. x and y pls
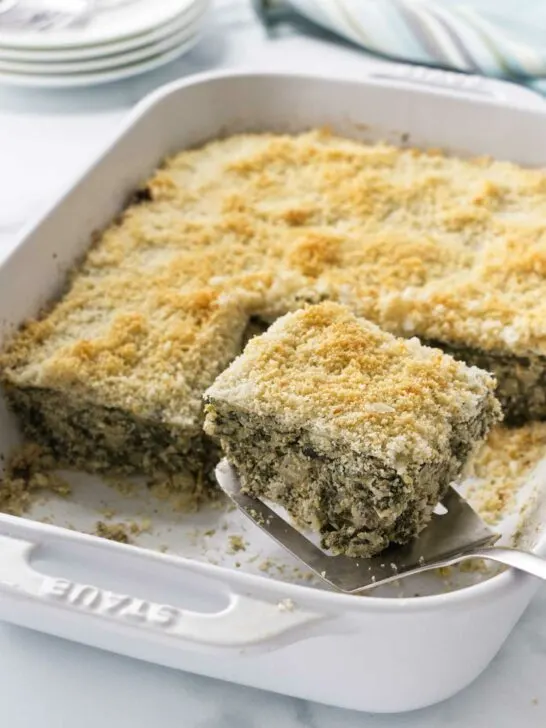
(374, 653)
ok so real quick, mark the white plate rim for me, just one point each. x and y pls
(74, 39)
(187, 18)
(90, 79)
(107, 62)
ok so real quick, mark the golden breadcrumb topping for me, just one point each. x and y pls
(421, 243)
(323, 369)
(152, 353)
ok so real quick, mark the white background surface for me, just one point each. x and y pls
(45, 140)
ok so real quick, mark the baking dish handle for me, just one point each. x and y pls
(459, 84)
(244, 622)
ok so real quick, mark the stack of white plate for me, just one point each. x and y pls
(64, 43)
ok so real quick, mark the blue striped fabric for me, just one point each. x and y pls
(500, 38)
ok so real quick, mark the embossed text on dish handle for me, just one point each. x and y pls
(110, 604)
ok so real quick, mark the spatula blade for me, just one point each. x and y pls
(459, 530)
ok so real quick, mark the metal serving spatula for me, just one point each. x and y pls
(453, 536)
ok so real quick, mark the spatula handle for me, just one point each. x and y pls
(522, 560)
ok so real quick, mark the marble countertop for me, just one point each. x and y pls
(45, 140)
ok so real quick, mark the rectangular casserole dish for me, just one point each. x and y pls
(383, 653)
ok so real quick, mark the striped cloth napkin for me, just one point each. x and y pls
(500, 38)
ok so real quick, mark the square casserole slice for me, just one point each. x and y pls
(111, 378)
(355, 432)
